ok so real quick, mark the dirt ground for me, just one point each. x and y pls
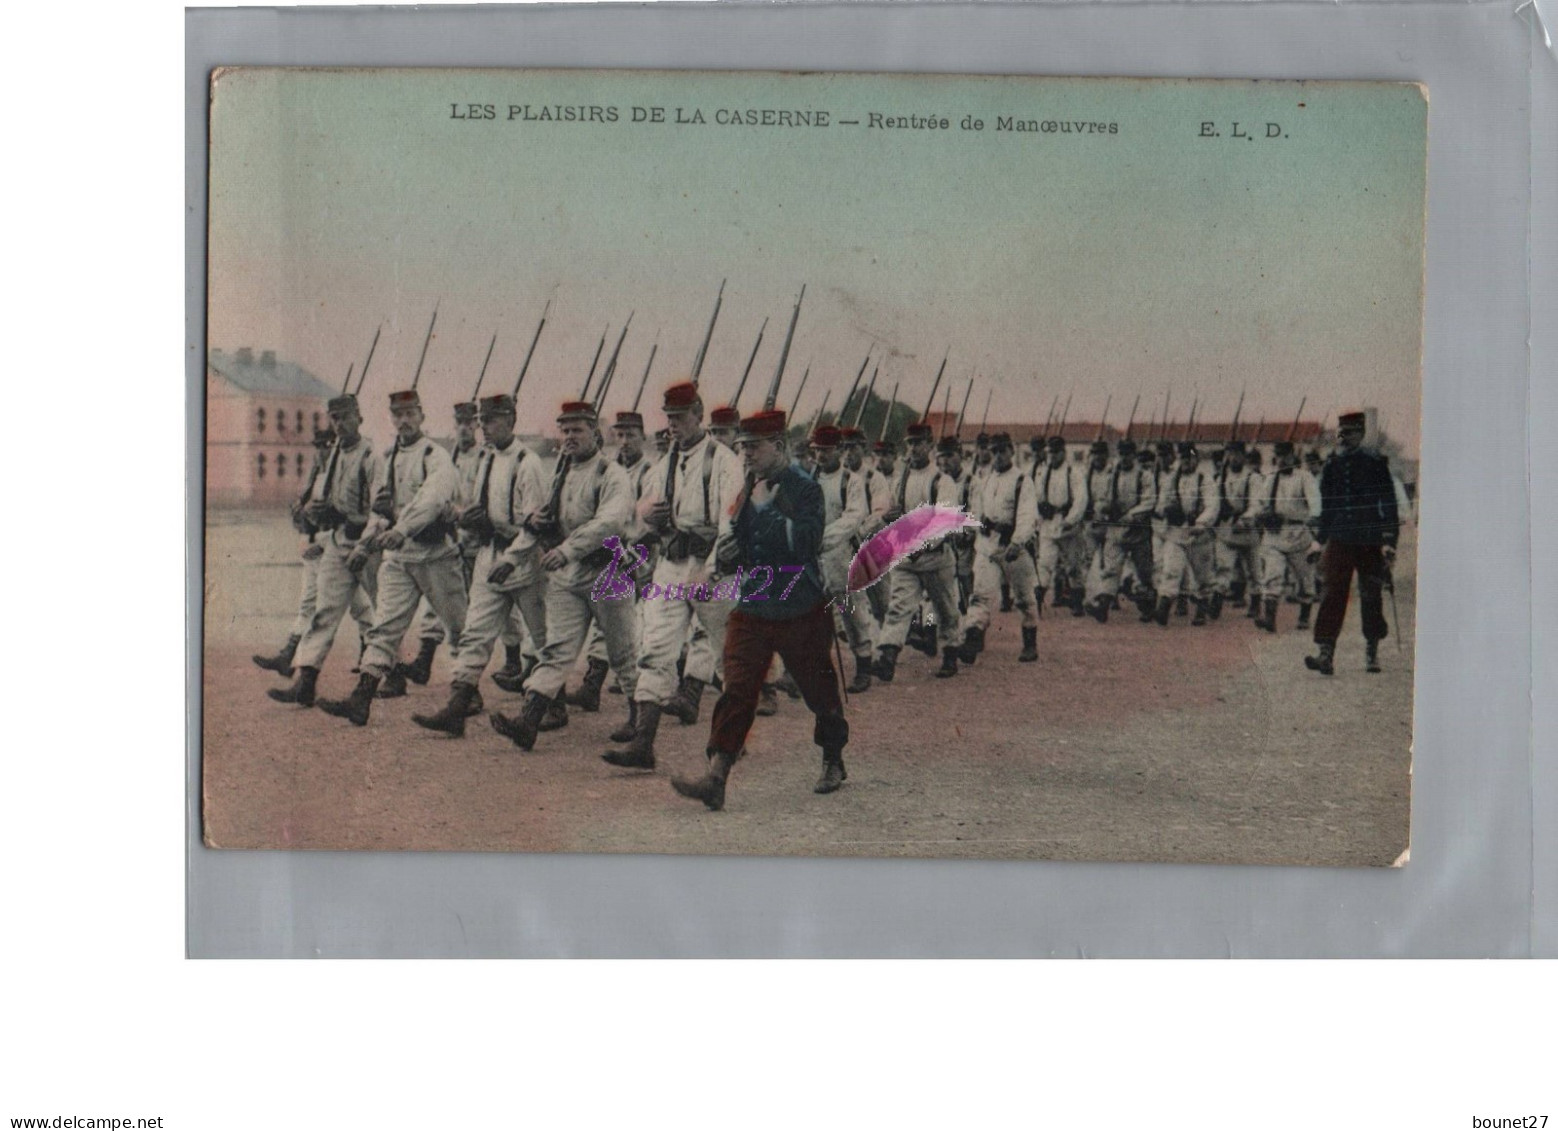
(1124, 742)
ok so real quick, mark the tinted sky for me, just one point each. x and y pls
(1094, 264)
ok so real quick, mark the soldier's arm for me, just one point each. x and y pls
(1315, 494)
(844, 526)
(1390, 515)
(1026, 512)
(1148, 500)
(799, 502)
(612, 514)
(1212, 501)
(1079, 495)
(374, 472)
(436, 493)
(724, 489)
(528, 494)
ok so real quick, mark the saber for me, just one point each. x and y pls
(958, 431)
(480, 376)
(860, 409)
(611, 366)
(644, 380)
(369, 362)
(584, 393)
(930, 402)
(735, 401)
(801, 388)
(892, 404)
(703, 350)
(784, 354)
(417, 376)
(531, 352)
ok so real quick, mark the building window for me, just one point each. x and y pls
(300, 420)
(316, 422)
(300, 465)
(259, 471)
(281, 465)
(259, 421)
(281, 421)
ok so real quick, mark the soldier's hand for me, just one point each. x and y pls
(1012, 553)
(312, 551)
(357, 559)
(554, 559)
(1389, 553)
(659, 514)
(761, 493)
(391, 539)
(500, 573)
(473, 518)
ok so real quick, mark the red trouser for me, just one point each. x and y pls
(805, 644)
(1337, 565)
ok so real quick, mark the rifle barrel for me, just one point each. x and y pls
(611, 366)
(892, 404)
(1132, 419)
(958, 431)
(523, 369)
(482, 375)
(417, 376)
(1104, 419)
(708, 335)
(860, 409)
(850, 396)
(985, 420)
(348, 382)
(1297, 416)
(371, 348)
(784, 354)
(735, 401)
(799, 389)
(930, 402)
(644, 380)
(584, 393)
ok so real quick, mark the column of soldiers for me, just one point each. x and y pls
(500, 548)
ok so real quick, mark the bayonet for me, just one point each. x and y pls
(347, 383)
(1233, 432)
(520, 380)
(1297, 416)
(892, 404)
(735, 401)
(1104, 419)
(958, 431)
(1065, 413)
(703, 350)
(584, 393)
(1049, 417)
(789, 336)
(1190, 425)
(799, 389)
(822, 408)
(985, 419)
(482, 375)
(1163, 432)
(930, 402)
(417, 376)
(644, 380)
(844, 408)
(611, 366)
(371, 348)
(1132, 419)
(860, 409)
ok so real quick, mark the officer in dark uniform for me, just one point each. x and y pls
(774, 542)
(1359, 524)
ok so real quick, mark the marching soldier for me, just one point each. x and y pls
(1233, 547)
(344, 577)
(724, 422)
(1123, 498)
(1258, 483)
(662, 442)
(1286, 510)
(886, 453)
(1359, 526)
(1061, 493)
(949, 460)
(878, 497)
(844, 494)
(506, 578)
(1188, 503)
(1004, 504)
(777, 532)
(417, 488)
(591, 502)
(689, 495)
(928, 574)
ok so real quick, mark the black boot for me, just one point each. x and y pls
(587, 698)
(973, 644)
(683, 706)
(949, 662)
(862, 680)
(513, 666)
(710, 788)
(1146, 606)
(1214, 608)
(1268, 620)
(1006, 597)
(767, 701)
(1182, 606)
(1253, 612)
(639, 754)
(394, 685)
(301, 692)
(1075, 598)
(627, 730)
(521, 730)
(1038, 600)
(788, 685)
(1030, 646)
(475, 706)
(1371, 656)
(1200, 617)
(1165, 607)
(514, 681)
(281, 662)
(1325, 662)
(926, 641)
(451, 720)
(1236, 594)
(1100, 609)
(886, 662)
(355, 707)
(556, 717)
(420, 670)
(833, 772)
(1303, 614)
(362, 650)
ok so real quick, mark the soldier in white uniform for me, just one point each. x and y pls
(1008, 513)
(844, 501)
(878, 498)
(506, 578)
(1061, 493)
(1233, 551)
(931, 573)
(414, 500)
(687, 500)
(1286, 510)
(338, 510)
(1123, 497)
(591, 503)
(1188, 503)
(949, 460)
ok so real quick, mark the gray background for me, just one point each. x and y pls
(1484, 871)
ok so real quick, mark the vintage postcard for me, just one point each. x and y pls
(823, 464)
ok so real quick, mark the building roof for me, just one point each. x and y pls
(1083, 432)
(265, 376)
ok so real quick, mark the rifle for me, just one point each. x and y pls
(801, 388)
(930, 403)
(644, 380)
(483, 372)
(1065, 412)
(364, 376)
(611, 366)
(946, 410)
(985, 419)
(1233, 432)
(958, 431)
(817, 416)
(417, 376)
(1260, 427)
(523, 369)
(860, 409)
(585, 392)
(1296, 417)
(1191, 423)
(773, 386)
(1102, 420)
(852, 389)
(735, 401)
(1163, 432)
(697, 364)
(892, 404)
(1132, 419)
(347, 383)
